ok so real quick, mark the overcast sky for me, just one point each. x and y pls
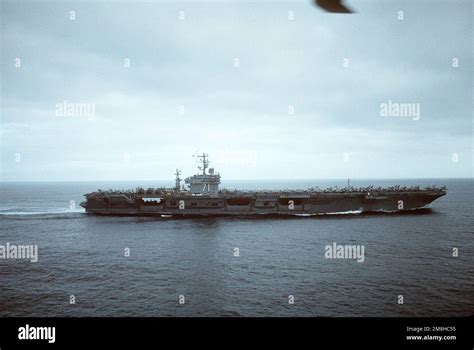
(268, 93)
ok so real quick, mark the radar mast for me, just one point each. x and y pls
(204, 161)
(177, 181)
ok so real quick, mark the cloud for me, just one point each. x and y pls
(183, 92)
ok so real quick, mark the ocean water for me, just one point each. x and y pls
(84, 255)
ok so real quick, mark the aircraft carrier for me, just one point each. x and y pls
(201, 196)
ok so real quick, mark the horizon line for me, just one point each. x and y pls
(280, 179)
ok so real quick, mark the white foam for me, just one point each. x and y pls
(386, 211)
(350, 212)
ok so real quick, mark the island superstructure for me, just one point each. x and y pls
(201, 196)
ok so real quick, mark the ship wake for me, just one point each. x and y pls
(26, 212)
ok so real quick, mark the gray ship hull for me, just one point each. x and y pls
(271, 204)
(203, 198)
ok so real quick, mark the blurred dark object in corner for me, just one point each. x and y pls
(333, 6)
